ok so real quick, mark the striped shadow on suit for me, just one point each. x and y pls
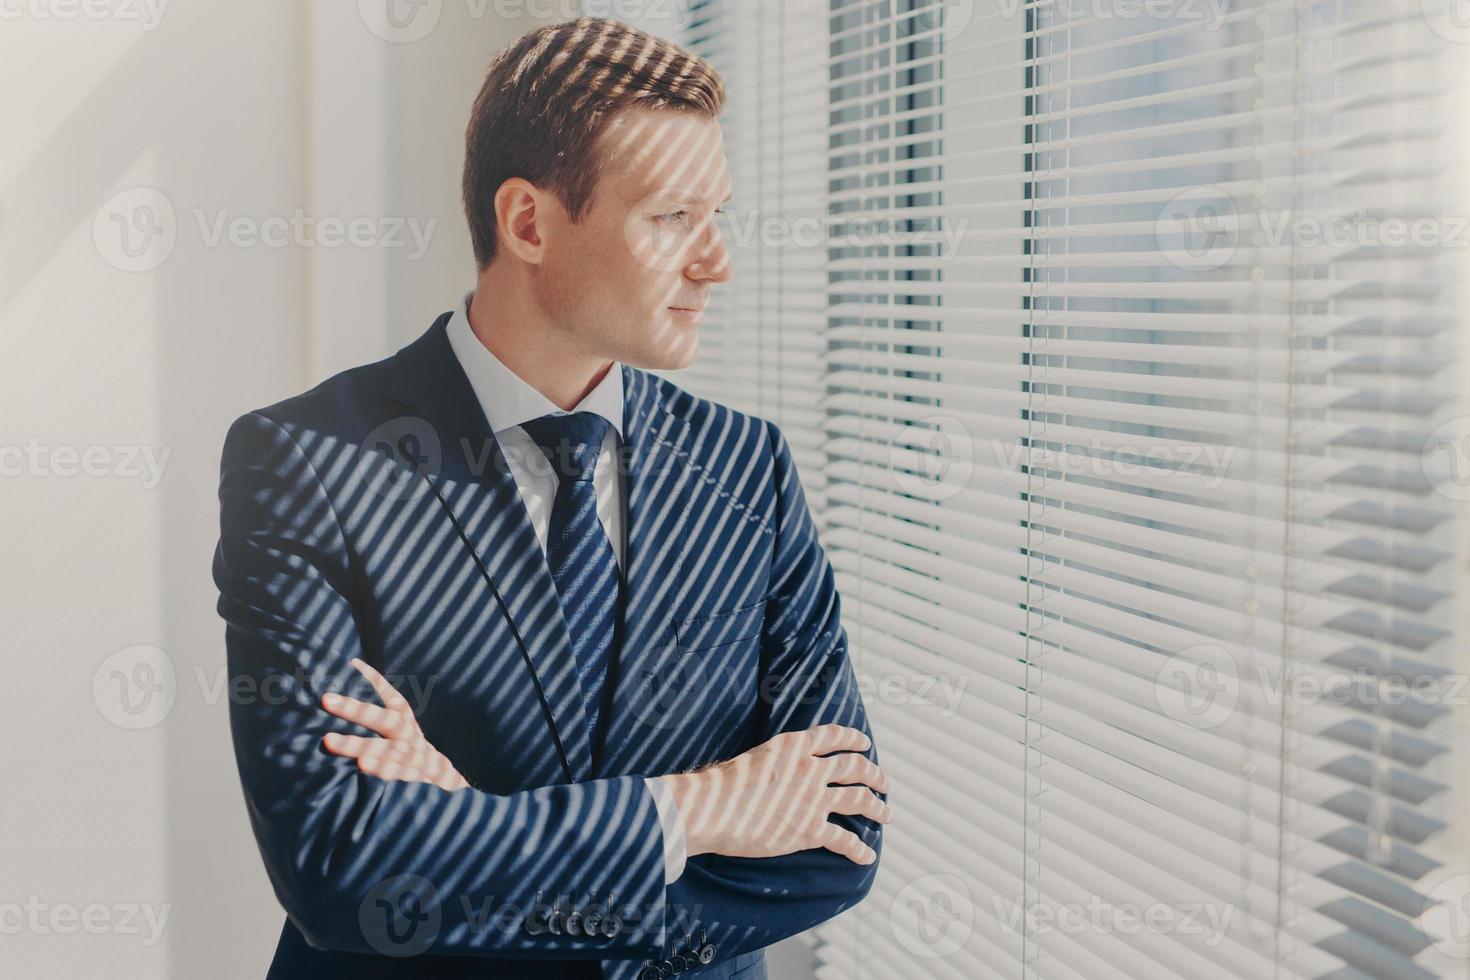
(374, 516)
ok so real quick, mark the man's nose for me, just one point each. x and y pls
(712, 264)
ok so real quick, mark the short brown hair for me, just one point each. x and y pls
(549, 96)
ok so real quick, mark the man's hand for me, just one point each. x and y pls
(775, 798)
(403, 752)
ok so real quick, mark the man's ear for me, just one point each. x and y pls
(521, 213)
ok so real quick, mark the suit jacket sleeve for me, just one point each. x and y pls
(807, 680)
(344, 849)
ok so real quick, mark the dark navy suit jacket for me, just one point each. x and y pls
(374, 516)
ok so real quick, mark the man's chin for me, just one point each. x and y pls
(669, 357)
(685, 355)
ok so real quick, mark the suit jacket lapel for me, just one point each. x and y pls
(657, 484)
(469, 475)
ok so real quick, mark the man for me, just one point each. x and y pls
(619, 733)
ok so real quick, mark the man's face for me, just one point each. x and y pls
(629, 280)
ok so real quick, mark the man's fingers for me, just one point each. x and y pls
(348, 746)
(393, 766)
(414, 769)
(359, 747)
(387, 693)
(853, 768)
(389, 759)
(846, 843)
(387, 767)
(858, 801)
(386, 723)
(835, 738)
(438, 770)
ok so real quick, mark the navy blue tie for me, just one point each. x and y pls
(578, 552)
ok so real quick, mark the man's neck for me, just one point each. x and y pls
(521, 338)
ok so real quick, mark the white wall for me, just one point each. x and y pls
(240, 108)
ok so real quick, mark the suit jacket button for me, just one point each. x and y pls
(648, 973)
(592, 921)
(574, 922)
(707, 953)
(535, 920)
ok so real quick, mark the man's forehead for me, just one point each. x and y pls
(654, 151)
(713, 188)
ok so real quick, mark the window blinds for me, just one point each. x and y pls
(1126, 384)
(761, 347)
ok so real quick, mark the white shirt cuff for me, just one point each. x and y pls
(676, 850)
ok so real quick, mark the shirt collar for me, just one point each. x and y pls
(506, 398)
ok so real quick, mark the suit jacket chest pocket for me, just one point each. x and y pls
(721, 630)
(710, 692)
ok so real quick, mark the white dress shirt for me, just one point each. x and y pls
(509, 401)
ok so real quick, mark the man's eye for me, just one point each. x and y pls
(673, 217)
